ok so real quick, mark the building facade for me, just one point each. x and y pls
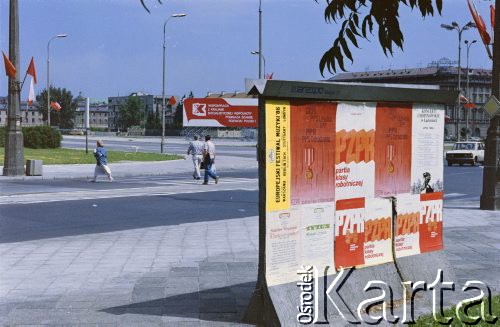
(30, 116)
(151, 105)
(475, 85)
(98, 114)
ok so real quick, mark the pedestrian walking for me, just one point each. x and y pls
(101, 157)
(195, 149)
(209, 156)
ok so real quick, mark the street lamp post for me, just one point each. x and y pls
(260, 41)
(162, 146)
(48, 74)
(263, 59)
(455, 26)
(468, 45)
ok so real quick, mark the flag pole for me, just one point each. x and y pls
(25, 74)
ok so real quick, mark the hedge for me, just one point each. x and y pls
(37, 137)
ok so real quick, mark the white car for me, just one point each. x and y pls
(466, 152)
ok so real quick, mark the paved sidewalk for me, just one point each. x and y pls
(137, 168)
(196, 274)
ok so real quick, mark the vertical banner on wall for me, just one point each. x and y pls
(349, 232)
(313, 150)
(283, 248)
(431, 222)
(407, 238)
(355, 150)
(393, 155)
(427, 148)
(277, 155)
(378, 231)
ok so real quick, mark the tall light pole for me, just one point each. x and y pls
(263, 58)
(260, 39)
(48, 74)
(468, 45)
(455, 26)
(14, 151)
(490, 197)
(162, 146)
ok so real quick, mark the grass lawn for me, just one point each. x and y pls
(428, 320)
(70, 156)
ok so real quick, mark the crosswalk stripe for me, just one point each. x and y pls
(175, 187)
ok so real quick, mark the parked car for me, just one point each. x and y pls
(466, 152)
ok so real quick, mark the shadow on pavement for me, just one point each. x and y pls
(223, 304)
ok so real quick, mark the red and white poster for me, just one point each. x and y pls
(312, 150)
(431, 222)
(378, 231)
(407, 238)
(393, 149)
(355, 150)
(349, 232)
(220, 112)
(427, 148)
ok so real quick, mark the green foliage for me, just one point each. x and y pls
(354, 25)
(63, 118)
(41, 137)
(153, 121)
(130, 112)
(36, 137)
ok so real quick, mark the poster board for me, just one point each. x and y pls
(220, 112)
(348, 161)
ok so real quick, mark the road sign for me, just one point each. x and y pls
(492, 106)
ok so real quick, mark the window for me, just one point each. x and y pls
(33, 120)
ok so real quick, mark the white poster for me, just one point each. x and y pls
(282, 246)
(355, 150)
(427, 148)
(317, 222)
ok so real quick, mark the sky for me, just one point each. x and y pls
(114, 47)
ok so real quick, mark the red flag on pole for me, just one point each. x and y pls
(481, 26)
(31, 69)
(172, 101)
(492, 17)
(10, 69)
(55, 105)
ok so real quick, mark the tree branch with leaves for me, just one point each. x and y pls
(385, 14)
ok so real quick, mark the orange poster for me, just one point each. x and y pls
(378, 231)
(313, 152)
(349, 232)
(406, 240)
(431, 222)
(393, 149)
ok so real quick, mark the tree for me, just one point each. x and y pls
(130, 112)
(153, 121)
(354, 25)
(64, 118)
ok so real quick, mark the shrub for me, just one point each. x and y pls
(41, 137)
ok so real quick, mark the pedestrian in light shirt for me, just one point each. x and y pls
(195, 149)
(209, 156)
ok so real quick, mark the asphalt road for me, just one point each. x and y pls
(247, 151)
(21, 222)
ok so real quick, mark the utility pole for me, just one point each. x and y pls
(260, 39)
(14, 151)
(490, 198)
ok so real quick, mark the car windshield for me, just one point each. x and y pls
(464, 146)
